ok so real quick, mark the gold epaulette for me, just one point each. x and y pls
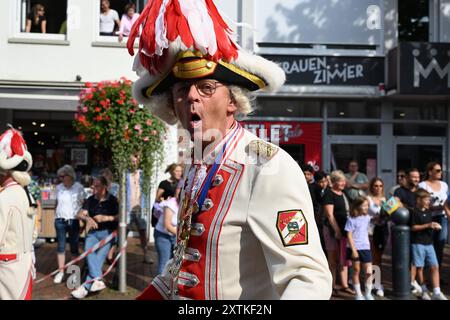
(262, 149)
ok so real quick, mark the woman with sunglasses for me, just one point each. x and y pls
(36, 21)
(439, 191)
(401, 181)
(378, 230)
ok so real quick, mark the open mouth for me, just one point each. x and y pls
(195, 117)
(196, 121)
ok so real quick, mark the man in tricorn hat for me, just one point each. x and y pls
(246, 225)
(16, 218)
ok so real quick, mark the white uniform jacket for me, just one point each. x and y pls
(255, 237)
(16, 232)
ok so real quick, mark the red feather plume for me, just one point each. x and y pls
(176, 26)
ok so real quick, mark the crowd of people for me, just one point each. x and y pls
(355, 230)
(110, 24)
(92, 206)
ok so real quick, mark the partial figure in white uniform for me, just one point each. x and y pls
(16, 218)
(246, 226)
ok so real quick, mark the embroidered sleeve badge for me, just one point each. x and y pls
(292, 227)
(262, 149)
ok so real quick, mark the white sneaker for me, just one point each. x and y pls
(59, 277)
(369, 296)
(359, 297)
(79, 293)
(439, 296)
(98, 285)
(380, 292)
(416, 288)
(426, 295)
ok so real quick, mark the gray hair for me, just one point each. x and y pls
(243, 99)
(67, 170)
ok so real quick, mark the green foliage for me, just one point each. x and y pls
(108, 116)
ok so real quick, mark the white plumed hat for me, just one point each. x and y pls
(188, 39)
(14, 156)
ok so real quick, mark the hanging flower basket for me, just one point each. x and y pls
(108, 116)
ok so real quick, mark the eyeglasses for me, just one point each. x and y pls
(438, 170)
(205, 88)
(61, 177)
(400, 176)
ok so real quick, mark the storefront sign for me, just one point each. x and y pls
(292, 133)
(328, 70)
(420, 68)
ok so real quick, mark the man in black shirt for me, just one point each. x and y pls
(319, 187)
(100, 213)
(406, 194)
(308, 171)
(422, 248)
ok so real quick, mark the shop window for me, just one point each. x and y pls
(53, 12)
(268, 107)
(413, 20)
(354, 109)
(417, 156)
(365, 129)
(364, 154)
(420, 110)
(422, 130)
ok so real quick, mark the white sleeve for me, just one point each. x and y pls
(299, 270)
(4, 212)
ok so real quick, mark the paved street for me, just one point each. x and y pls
(139, 275)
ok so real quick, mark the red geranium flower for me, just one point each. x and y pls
(82, 138)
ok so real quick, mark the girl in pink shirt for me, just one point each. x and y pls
(128, 20)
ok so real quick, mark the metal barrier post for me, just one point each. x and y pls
(401, 272)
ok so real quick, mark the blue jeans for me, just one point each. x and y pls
(164, 246)
(97, 258)
(440, 237)
(63, 227)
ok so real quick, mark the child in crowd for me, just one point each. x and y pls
(357, 228)
(422, 249)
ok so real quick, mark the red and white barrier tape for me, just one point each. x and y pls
(81, 257)
(110, 267)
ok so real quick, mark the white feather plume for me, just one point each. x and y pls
(161, 30)
(200, 25)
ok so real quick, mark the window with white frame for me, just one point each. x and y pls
(43, 19)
